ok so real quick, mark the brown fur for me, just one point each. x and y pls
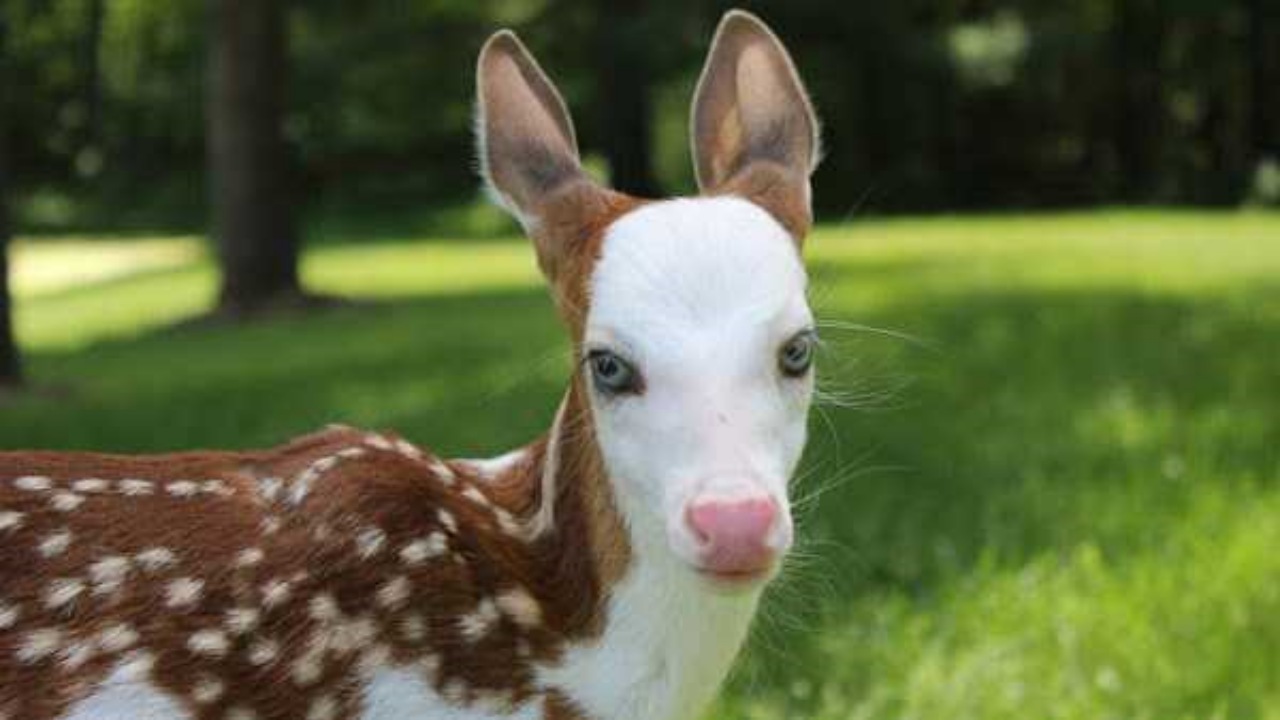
(395, 489)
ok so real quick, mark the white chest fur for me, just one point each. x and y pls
(667, 647)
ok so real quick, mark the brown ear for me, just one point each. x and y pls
(754, 131)
(528, 150)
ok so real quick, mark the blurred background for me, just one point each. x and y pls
(1043, 473)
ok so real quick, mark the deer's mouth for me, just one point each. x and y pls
(738, 579)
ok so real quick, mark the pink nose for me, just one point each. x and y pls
(734, 534)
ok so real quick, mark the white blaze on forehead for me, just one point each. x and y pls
(694, 262)
(699, 295)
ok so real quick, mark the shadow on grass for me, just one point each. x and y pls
(1045, 419)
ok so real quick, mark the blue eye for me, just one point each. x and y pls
(796, 356)
(612, 375)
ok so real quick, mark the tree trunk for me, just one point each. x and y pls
(10, 364)
(92, 68)
(252, 200)
(626, 109)
(1264, 77)
(1138, 45)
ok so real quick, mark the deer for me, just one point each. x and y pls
(608, 570)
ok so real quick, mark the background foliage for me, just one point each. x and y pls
(928, 104)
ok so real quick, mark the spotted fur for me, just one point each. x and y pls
(351, 575)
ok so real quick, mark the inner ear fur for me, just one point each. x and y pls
(753, 129)
(529, 153)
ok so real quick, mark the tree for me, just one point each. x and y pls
(10, 365)
(623, 92)
(1138, 38)
(90, 50)
(1263, 79)
(254, 226)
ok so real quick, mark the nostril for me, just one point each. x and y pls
(747, 521)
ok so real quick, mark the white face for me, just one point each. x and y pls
(698, 342)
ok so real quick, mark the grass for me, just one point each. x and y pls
(1058, 495)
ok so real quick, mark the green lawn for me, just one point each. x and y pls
(1057, 494)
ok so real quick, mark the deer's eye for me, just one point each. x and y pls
(613, 375)
(796, 356)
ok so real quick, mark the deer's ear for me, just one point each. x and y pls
(754, 131)
(528, 150)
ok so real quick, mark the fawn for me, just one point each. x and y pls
(608, 570)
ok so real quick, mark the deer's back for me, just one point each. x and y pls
(285, 583)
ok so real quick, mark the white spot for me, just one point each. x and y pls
(421, 550)
(263, 652)
(156, 559)
(378, 442)
(33, 483)
(182, 488)
(56, 543)
(207, 690)
(242, 620)
(212, 643)
(324, 465)
(10, 520)
(413, 628)
(63, 591)
(474, 494)
(302, 485)
(117, 638)
(351, 636)
(184, 592)
(308, 667)
(216, 487)
(521, 607)
(249, 557)
(91, 485)
(492, 468)
(324, 608)
(9, 614)
(76, 654)
(323, 708)
(508, 523)
(408, 449)
(477, 623)
(448, 521)
(135, 487)
(66, 501)
(270, 488)
(275, 592)
(352, 452)
(369, 542)
(394, 592)
(270, 525)
(39, 644)
(108, 574)
(443, 472)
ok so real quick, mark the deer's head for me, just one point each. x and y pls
(688, 316)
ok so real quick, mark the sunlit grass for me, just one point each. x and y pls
(1059, 500)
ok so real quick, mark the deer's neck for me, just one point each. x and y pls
(653, 641)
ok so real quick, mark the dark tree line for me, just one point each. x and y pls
(10, 364)
(251, 114)
(927, 104)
